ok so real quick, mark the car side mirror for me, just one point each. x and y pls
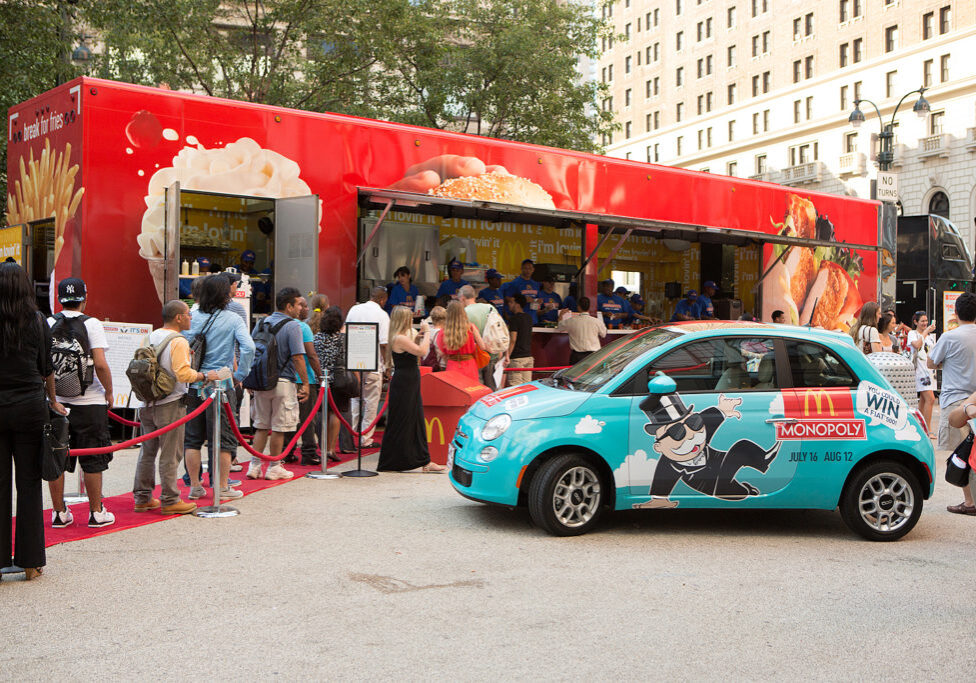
(661, 384)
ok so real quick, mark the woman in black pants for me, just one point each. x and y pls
(26, 376)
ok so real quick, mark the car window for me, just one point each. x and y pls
(599, 367)
(813, 365)
(721, 364)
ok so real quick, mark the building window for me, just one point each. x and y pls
(843, 54)
(765, 81)
(679, 76)
(657, 16)
(677, 145)
(701, 68)
(808, 24)
(797, 28)
(701, 104)
(857, 90)
(730, 17)
(928, 25)
(610, 72)
(858, 49)
(850, 143)
(803, 154)
(945, 19)
(765, 120)
(627, 129)
(627, 63)
(796, 111)
(679, 109)
(708, 136)
(936, 119)
(731, 130)
(626, 155)
(939, 205)
(649, 150)
(679, 39)
(708, 100)
(797, 66)
(627, 31)
(701, 139)
(890, 83)
(944, 68)
(701, 31)
(760, 164)
(927, 72)
(657, 120)
(731, 168)
(755, 123)
(891, 38)
(677, 6)
(708, 65)
(755, 86)
(843, 98)
(627, 94)
(765, 42)
(648, 89)
(856, 4)
(708, 28)
(755, 46)
(808, 66)
(809, 107)
(647, 123)
(730, 93)
(844, 9)
(730, 56)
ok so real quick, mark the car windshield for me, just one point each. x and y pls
(599, 367)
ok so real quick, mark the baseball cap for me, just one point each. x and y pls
(248, 255)
(72, 290)
(607, 281)
(454, 263)
(203, 261)
(621, 290)
(491, 272)
(547, 278)
(636, 298)
(710, 283)
(691, 293)
(528, 260)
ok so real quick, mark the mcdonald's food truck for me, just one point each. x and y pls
(135, 188)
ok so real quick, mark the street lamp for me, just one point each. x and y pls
(887, 154)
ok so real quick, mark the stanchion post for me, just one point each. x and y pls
(217, 510)
(359, 471)
(82, 495)
(324, 432)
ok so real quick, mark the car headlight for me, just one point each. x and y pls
(487, 454)
(496, 426)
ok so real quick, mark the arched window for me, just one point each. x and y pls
(939, 204)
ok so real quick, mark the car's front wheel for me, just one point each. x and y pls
(882, 502)
(566, 496)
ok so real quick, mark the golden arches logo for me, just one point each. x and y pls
(818, 397)
(429, 424)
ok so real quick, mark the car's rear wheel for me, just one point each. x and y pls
(882, 501)
(566, 496)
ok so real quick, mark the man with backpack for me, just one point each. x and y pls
(279, 363)
(492, 328)
(83, 384)
(159, 374)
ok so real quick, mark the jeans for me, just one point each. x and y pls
(169, 446)
(21, 434)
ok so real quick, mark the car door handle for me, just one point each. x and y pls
(782, 420)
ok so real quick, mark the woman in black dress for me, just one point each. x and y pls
(26, 375)
(404, 444)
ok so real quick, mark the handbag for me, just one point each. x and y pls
(344, 384)
(54, 449)
(957, 464)
(198, 347)
(481, 357)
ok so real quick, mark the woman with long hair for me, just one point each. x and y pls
(435, 359)
(317, 305)
(330, 347)
(865, 330)
(459, 340)
(26, 391)
(886, 329)
(920, 343)
(404, 444)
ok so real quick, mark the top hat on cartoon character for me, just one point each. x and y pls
(663, 410)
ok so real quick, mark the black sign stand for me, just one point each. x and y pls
(359, 471)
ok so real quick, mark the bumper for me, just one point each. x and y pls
(493, 482)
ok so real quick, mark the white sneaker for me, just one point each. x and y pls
(197, 492)
(60, 520)
(254, 470)
(101, 518)
(278, 472)
(230, 494)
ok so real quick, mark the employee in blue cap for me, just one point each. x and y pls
(613, 308)
(705, 306)
(246, 265)
(402, 292)
(687, 308)
(624, 295)
(549, 300)
(527, 287)
(492, 294)
(454, 282)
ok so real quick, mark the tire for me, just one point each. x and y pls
(882, 501)
(566, 496)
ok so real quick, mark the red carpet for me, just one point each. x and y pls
(126, 518)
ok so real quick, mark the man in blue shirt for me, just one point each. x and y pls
(569, 303)
(687, 308)
(308, 445)
(527, 287)
(549, 301)
(613, 308)
(492, 294)
(705, 306)
(402, 292)
(454, 282)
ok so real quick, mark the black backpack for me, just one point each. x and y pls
(266, 369)
(74, 369)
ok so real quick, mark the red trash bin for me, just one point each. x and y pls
(446, 397)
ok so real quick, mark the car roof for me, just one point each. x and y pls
(711, 328)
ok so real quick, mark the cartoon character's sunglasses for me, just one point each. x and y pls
(677, 430)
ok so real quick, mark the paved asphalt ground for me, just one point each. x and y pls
(398, 577)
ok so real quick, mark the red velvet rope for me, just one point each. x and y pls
(122, 420)
(348, 426)
(75, 452)
(247, 447)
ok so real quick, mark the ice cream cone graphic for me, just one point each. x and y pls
(157, 266)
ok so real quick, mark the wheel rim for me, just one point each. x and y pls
(886, 502)
(576, 497)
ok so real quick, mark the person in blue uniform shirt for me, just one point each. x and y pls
(613, 308)
(454, 282)
(492, 294)
(705, 306)
(402, 292)
(687, 308)
(549, 301)
(527, 287)
(624, 294)
(569, 303)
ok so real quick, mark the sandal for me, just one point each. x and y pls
(332, 457)
(962, 509)
(32, 572)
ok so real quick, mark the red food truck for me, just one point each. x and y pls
(125, 186)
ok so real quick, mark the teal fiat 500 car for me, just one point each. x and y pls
(702, 415)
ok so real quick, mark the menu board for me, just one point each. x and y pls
(123, 340)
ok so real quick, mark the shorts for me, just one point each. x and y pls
(199, 429)
(88, 428)
(276, 409)
(949, 436)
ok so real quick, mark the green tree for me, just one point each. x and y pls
(35, 44)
